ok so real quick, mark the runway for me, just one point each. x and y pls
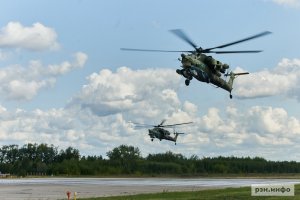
(56, 188)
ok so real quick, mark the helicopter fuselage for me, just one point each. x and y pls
(205, 69)
(161, 134)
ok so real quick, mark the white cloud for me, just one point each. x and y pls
(96, 120)
(258, 131)
(79, 61)
(269, 120)
(282, 80)
(37, 37)
(289, 3)
(98, 116)
(144, 91)
(24, 83)
(24, 89)
(239, 133)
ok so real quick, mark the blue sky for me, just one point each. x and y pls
(65, 81)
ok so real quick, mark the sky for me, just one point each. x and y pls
(65, 81)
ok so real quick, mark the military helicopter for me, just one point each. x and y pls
(159, 131)
(205, 68)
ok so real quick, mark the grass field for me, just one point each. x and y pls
(243, 193)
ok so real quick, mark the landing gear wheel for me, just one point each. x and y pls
(187, 82)
(152, 140)
(230, 96)
(175, 143)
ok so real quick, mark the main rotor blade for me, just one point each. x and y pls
(239, 41)
(162, 122)
(137, 127)
(179, 33)
(150, 50)
(140, 125)
(172, 125)
(224, 52)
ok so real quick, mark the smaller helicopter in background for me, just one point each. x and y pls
(159, 131)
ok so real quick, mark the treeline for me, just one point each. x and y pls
(43, 159)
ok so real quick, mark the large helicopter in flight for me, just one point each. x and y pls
(160, 132)
(196, 64)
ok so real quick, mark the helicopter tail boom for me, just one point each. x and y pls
(176, 135)
(232, 77)
(242, 73)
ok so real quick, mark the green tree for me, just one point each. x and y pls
(125, 157)
(68, 154)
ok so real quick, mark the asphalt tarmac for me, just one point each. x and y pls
(56, 188)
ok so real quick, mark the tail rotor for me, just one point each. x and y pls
(232, 77)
